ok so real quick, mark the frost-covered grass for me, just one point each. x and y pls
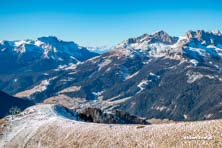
(41, 126)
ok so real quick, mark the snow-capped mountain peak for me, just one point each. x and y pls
(195, 45)
(157, 37)
(144, 40)
(48, 50)
(163, 37)
(49, 39)
(216, 32)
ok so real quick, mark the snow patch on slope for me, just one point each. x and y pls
(104, 63)
(142, 85)
(131, 76)
(194, 76)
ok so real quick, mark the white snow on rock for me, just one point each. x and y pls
(131, 76)
(154, 50)
(194, 76)
(217, 48)
(21, 42)
(98, 93)
(142, 85)
(153, 74)
(104, 63)
(71, 67)
(160, 108)
(194, 62)
(109, 104)
(60, 67)
(38, 43)
(108, 69)
(67, 79)
(200, 51)
(158, 50)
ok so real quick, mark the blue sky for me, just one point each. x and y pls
(105, 22)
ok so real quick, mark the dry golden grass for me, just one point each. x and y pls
(2, 121)
(40, 126)
(65, 101)
(140, 126)
(159, 121)
(2, 127)
(63, 133)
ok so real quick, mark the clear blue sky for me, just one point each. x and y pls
(105, 22)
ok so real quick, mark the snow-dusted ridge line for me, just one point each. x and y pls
(39, 126)
(33, 118)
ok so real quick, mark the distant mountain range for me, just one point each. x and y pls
(44, 53)
(153, 76)
(99, 49)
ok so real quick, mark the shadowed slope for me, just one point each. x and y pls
(6, 102)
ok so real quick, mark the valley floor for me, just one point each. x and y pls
(49, 126)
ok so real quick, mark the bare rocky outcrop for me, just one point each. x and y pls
(207, 38)
(157, 37)
(96, 115)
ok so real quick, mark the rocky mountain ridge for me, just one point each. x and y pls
(152, 76)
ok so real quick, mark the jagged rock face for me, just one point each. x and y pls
(178, 80)
(116, 117)
(163, 37)
(206, 38)
(158, 37)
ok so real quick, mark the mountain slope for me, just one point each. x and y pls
(26, 62)
(153, 76)
(51, 126)
(42, 54)
(7, 102)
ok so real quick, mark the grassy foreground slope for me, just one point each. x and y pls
(51, 126)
